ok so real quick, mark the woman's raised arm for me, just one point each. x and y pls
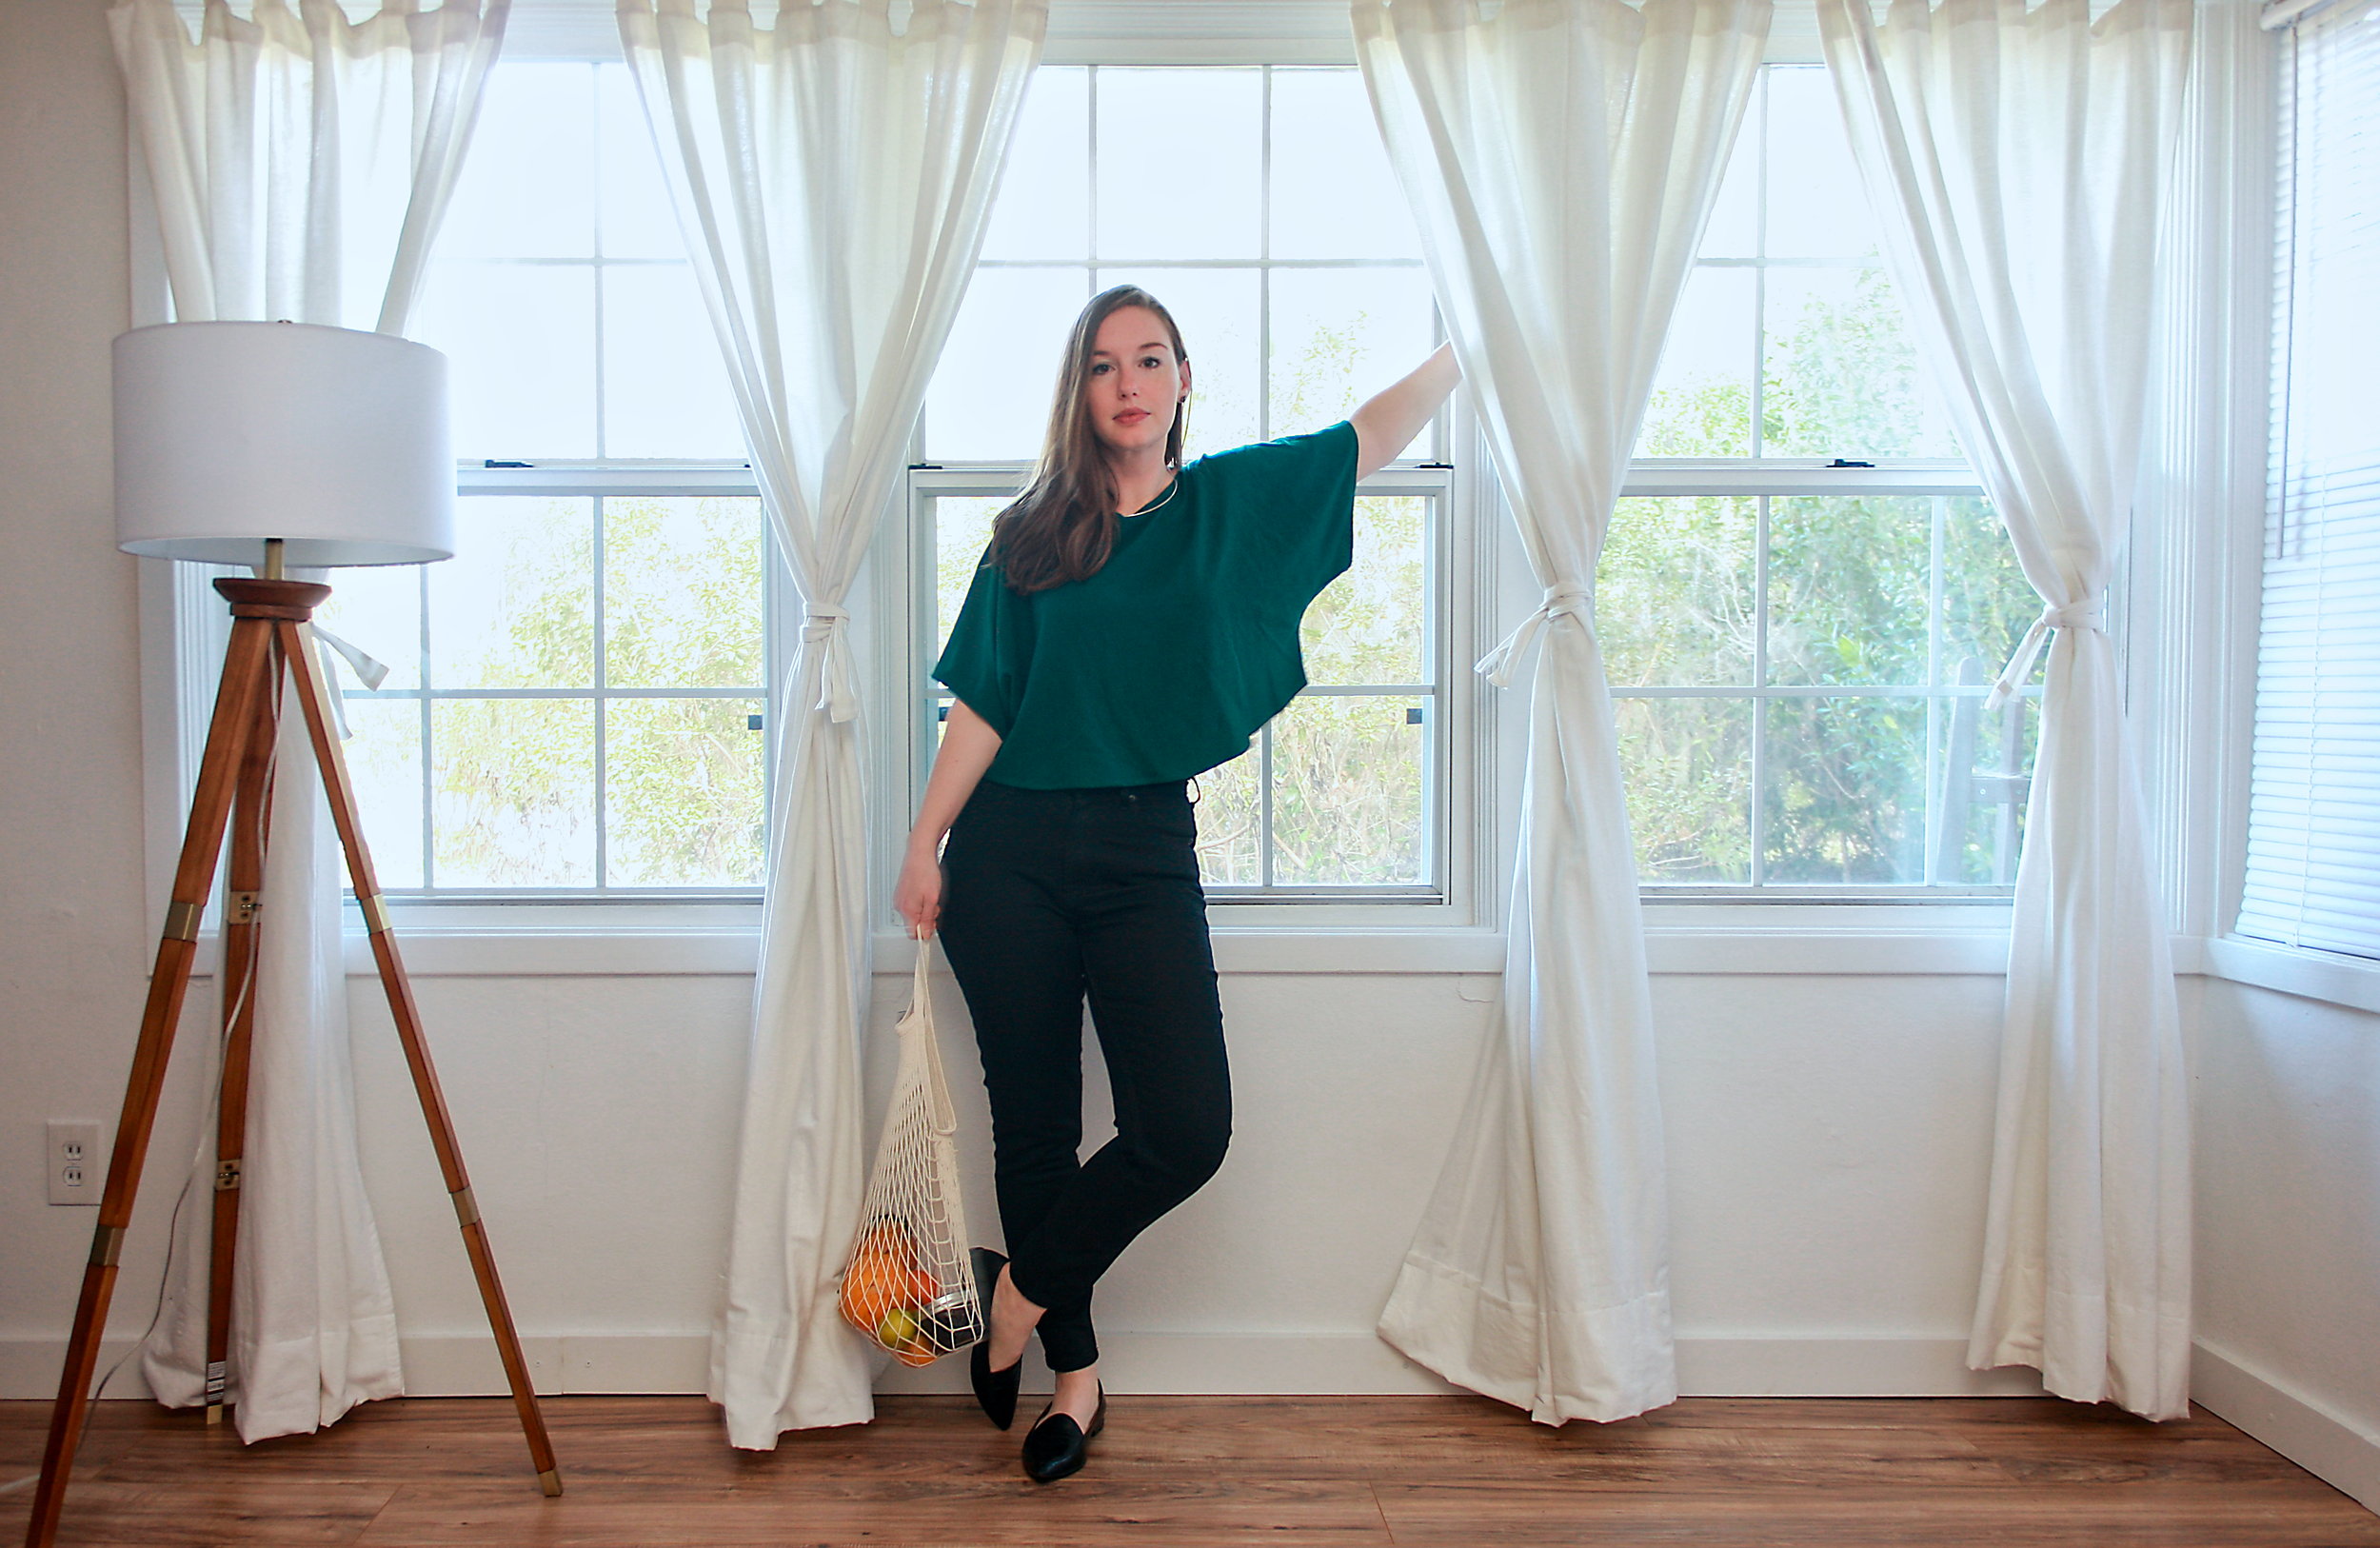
(969, 744)
(1388, 421)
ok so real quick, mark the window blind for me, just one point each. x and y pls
(2313, 826)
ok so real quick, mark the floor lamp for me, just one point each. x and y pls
(267, 445)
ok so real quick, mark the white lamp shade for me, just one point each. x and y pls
(335, 441)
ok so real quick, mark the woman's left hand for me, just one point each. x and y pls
(918, 896)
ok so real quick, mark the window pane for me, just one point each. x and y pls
(1370, 625)
(1842, 377)
(515, 607)
(513, 802)
(990, 395)
(1816, 206)
(664, 388)
(378, 609)
(681, 592)
(1701, 404)
(1988, 763)
(1987, 603)
(1231, 834)
(383, 758)
(1848, 579)
(1347, 784)
(521, 342)
(1734, 228)
(1180, 163)
(961, 529)
(1845, 799)
(1687, 763)
(1334, 195)
(1044, 207)
(1676, 599)
(1340, 335)
(637, 220)
(684, 794)
(1216, 311)
(528, 188)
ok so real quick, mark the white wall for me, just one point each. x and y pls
(2289, 1224)
(71, 915)
(1827, 1137)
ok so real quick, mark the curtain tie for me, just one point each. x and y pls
(826, 624)
(2091, 614)
(367, 671)
(1564, 601)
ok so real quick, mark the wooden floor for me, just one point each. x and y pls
(643, 1472)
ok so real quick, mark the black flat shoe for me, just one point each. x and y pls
(1057, 1445)
(995, 1391)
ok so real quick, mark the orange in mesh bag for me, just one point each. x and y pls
(909, 1285)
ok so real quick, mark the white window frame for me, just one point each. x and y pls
(2197, 569)
(613, 480)
(1804, 478)
(1794, 42)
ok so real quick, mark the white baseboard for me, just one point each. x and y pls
(1842, 1367)
(2315, 1437)
(444, 1365)
(463, 1364)
(28, 1368)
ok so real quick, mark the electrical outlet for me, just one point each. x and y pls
(76, 1169)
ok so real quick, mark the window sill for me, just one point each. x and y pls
(2326, 976)
(722, 941)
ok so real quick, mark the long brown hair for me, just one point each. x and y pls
(1064, 526)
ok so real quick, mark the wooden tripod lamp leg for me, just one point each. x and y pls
(243, 670)
(311, 697)
(244, 881)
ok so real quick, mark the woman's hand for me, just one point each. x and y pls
(918, 896)
(969, 744)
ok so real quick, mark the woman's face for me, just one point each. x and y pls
(1137, 384)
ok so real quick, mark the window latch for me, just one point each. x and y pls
(493, 462)
(1843, 461)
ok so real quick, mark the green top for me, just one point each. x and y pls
(1185, 643)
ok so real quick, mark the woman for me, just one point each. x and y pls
(1134, 623)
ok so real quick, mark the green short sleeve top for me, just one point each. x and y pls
(1164, 664)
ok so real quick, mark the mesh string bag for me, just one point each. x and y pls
(909, 1285)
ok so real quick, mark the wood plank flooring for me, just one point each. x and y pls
(648, 1472)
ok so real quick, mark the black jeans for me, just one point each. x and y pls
(1051, 895)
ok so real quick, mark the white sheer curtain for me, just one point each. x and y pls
(2020, 161)
(1560, 157)
(832, 177)
(300, 164)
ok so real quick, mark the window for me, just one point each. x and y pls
(2313, 846)
(575, 699)
(580, 704)
(1277, 238)
(1799, 651)
(1804, 598)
